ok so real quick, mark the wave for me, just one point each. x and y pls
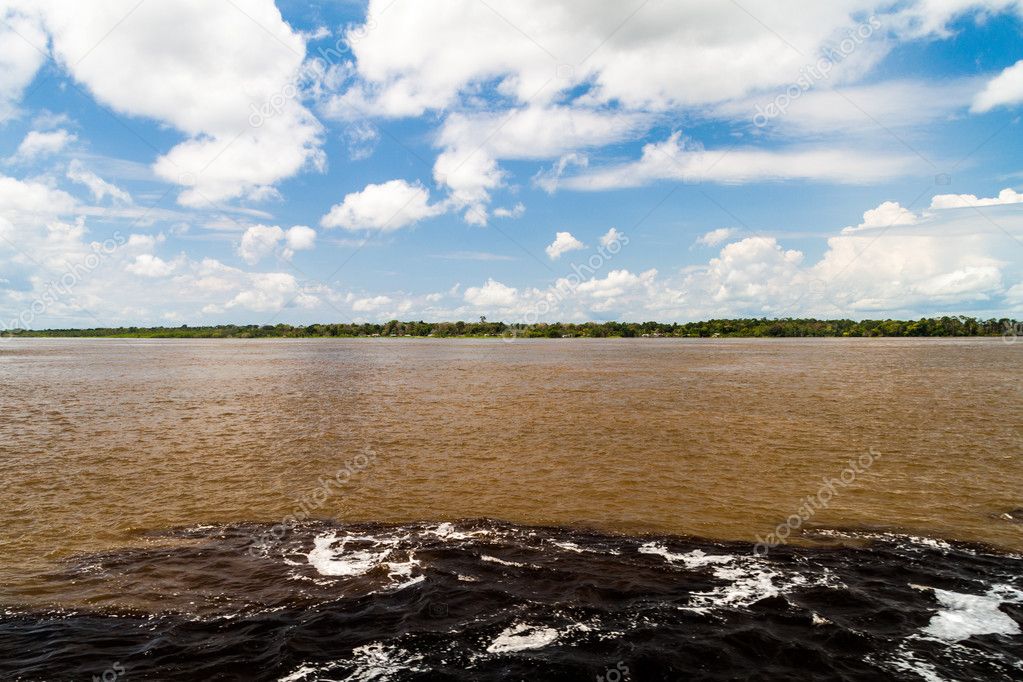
(488, 600)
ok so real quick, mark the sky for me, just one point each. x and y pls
(169, 162)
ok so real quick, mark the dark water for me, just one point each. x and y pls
(486, 600)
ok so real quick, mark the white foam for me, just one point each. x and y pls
(570, 546)
(328, 561)
(495, 560)
(331, 559)
(911, 664)
(446, 531)
(299, 674)
(379, 662)
(375, 661)
(521, 637)
(694, 559)
(746, 586)
(966, 615)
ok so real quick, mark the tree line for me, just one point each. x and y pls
(742, 327)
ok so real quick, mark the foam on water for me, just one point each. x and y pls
(694, 559)
(966, 615)
(522, 636)
(332, 561)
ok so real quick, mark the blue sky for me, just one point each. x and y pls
(241, 161)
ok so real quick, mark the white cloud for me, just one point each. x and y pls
(610, 237)
(1005, 89)
(129, 284)
(474, 143)
(259, 241)
(535, 80)
(37, 144)
(300, 238)
(493, 294)
(887, 214)
(715, 237)
(684, 161)
(148, 265)
(548, 179)
(432, 55)
(24, 200)
(21, 43)
(99, 187)
(270, 292)
(361, 138)
(563, 243)
(755, 273)
(370, 304)
(851, 110)
(515, 211)
(385, 207)
(209, 71)
(1006, 196)
(616, 283)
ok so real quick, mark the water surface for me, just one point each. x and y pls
(179, 479)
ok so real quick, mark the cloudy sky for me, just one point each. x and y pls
(210, 161)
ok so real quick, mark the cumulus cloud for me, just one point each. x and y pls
(610, 237)
(38, 144)
(493, 294)
(432, 55)
(99, 187)
(21, 31)
(715, 237)
(271, 291)
(551, 95)
(1005, 89)
(474, 143)
(887, 214)
(371, 303)
(208, 71)
(1006, 196)
(148, 265)
(563, 243)
(385, 207)
(259, 241)
(117, 279)
(300, 238)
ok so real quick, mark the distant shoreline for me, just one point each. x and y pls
(958, 326)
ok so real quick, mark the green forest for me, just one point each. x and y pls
(750, 327)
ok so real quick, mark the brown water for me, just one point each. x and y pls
(101, 440)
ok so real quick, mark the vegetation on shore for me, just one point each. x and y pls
(749, 327)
